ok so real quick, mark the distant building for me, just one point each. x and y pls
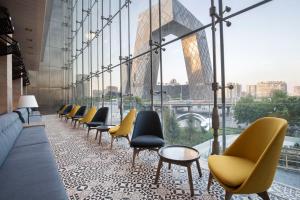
(113, 89)
(231, 94)
(97, 93)
(265, 89)
(296, 91)
(85, 90)
(251, 90)
(235, 93)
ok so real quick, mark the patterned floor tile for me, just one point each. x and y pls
(91, 171)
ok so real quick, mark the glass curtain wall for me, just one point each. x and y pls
(157, 55)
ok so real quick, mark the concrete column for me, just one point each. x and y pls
(6, 104)
(17, 91)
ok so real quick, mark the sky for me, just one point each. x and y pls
(261, 45)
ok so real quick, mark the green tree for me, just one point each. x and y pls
(171, 126)
(248, 110)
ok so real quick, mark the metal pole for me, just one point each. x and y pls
(129, 55)
(151, 56)
(215, 114)
(120, 32)
(82, 36)
(102, 18)
(160, 63)
(110, 81)
(90, 51)
(98, 84)
(222, 73)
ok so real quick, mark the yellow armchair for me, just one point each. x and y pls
(73, 112)
(124, 129)
(249, 164)
(88, 117)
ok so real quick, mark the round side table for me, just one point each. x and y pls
(179, 155)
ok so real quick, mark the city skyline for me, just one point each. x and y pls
(248, 62)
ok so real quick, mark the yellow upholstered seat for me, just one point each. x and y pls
(125, 128)
(89, 116)
(249, 164)
(231, 170)
(114, 129)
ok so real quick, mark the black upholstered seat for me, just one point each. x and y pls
(79, 114)
(150, 141)
(66, 111)
(147, 132)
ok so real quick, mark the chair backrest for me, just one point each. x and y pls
(261, 143)
(127, 123)
(73, 111)
(67, 109)
(147, 123)
(89, 115)
(101, 115)
(63, 109)
(80, 111)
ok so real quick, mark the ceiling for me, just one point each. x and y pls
(30, 30)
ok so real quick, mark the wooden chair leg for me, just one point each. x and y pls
(127, 137)
(88, 132)
(158, 170)
(228, 195)
(111, 142)
(209, 181)
(264, 195)
(134, 155)
(96, 135)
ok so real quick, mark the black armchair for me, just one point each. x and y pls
(79, 114)
(147, 133)
(61, 107)
(98, 120)
(66, 111)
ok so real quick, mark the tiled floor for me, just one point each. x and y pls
(90, 171)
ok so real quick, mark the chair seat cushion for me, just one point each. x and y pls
(77, 117)
(94, 124)
(147, 141)
(30, 172)
(31, 135)
(230, 170)
(114, 129)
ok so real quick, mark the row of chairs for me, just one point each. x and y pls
(247, 166)
(147, 130)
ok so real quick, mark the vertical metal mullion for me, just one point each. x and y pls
(129, 55)
(160, 62)
(222, 74)
(98, 84)
(120, 33)
(215, 115)
(102, 18)
(76, 58)
(71, 49)
(82, 54)
(91, 50)
(110, 65)
(151, 56)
